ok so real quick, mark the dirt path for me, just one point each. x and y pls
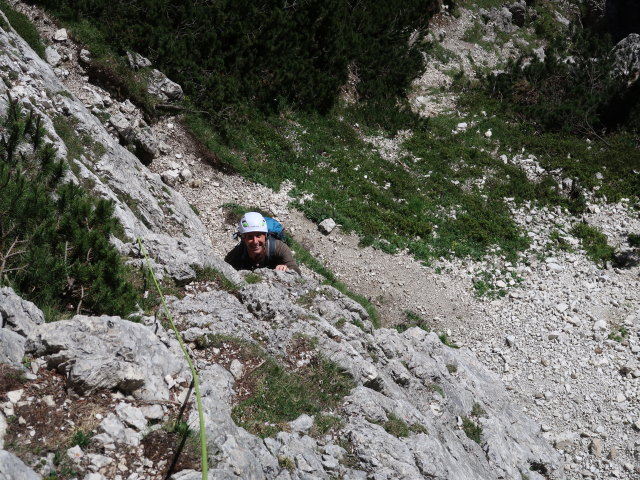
(394, 283)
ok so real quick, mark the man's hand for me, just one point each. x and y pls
(282, 268)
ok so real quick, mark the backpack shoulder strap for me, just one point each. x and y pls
(271, 247)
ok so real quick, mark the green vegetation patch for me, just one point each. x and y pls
(209, 274)
(296, 54)
(54, 239)
(324, 424)
(472, 429)
(397, 427)
(595, 243)
(426, 201)
(281, 394)
(619, 334)
(412, 319)
(23, 26)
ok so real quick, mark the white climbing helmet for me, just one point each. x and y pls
(252, 222)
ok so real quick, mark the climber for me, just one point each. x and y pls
(258, 249)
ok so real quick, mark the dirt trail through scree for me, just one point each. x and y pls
(394, 283)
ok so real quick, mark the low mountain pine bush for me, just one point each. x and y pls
(54, 238)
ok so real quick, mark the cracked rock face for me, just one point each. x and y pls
(172, 233)
(107, 353)
(410, 378)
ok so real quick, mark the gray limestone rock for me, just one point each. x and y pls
(627, 59)
(146, 144)
(327, 225)
(108, 352)
(137, 61)
(18, 318)
(163, 88)
(12, 468)
(18, 315)
(3, 429)
(131, 416)
(11, 347)
(85, 56)
(52, 56)
(61, 35)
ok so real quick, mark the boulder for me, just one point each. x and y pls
(52, 56)
(137, 61)
(627, 59)
(12, 468)
(327, 225)
(518, 13)
(18, 315)
(108, 353)
(163, 88)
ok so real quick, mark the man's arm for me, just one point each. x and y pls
(284, 258)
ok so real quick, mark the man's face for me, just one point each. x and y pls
(255, 243)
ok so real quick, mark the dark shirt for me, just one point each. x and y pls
(239, 259)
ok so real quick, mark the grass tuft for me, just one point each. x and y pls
(595, 244)
(281, 395)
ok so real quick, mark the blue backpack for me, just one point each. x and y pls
(275, 229)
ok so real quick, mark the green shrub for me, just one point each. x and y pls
(80, 438)
(563, 95)
(54, 239)
(412, 320)
(293, 54)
